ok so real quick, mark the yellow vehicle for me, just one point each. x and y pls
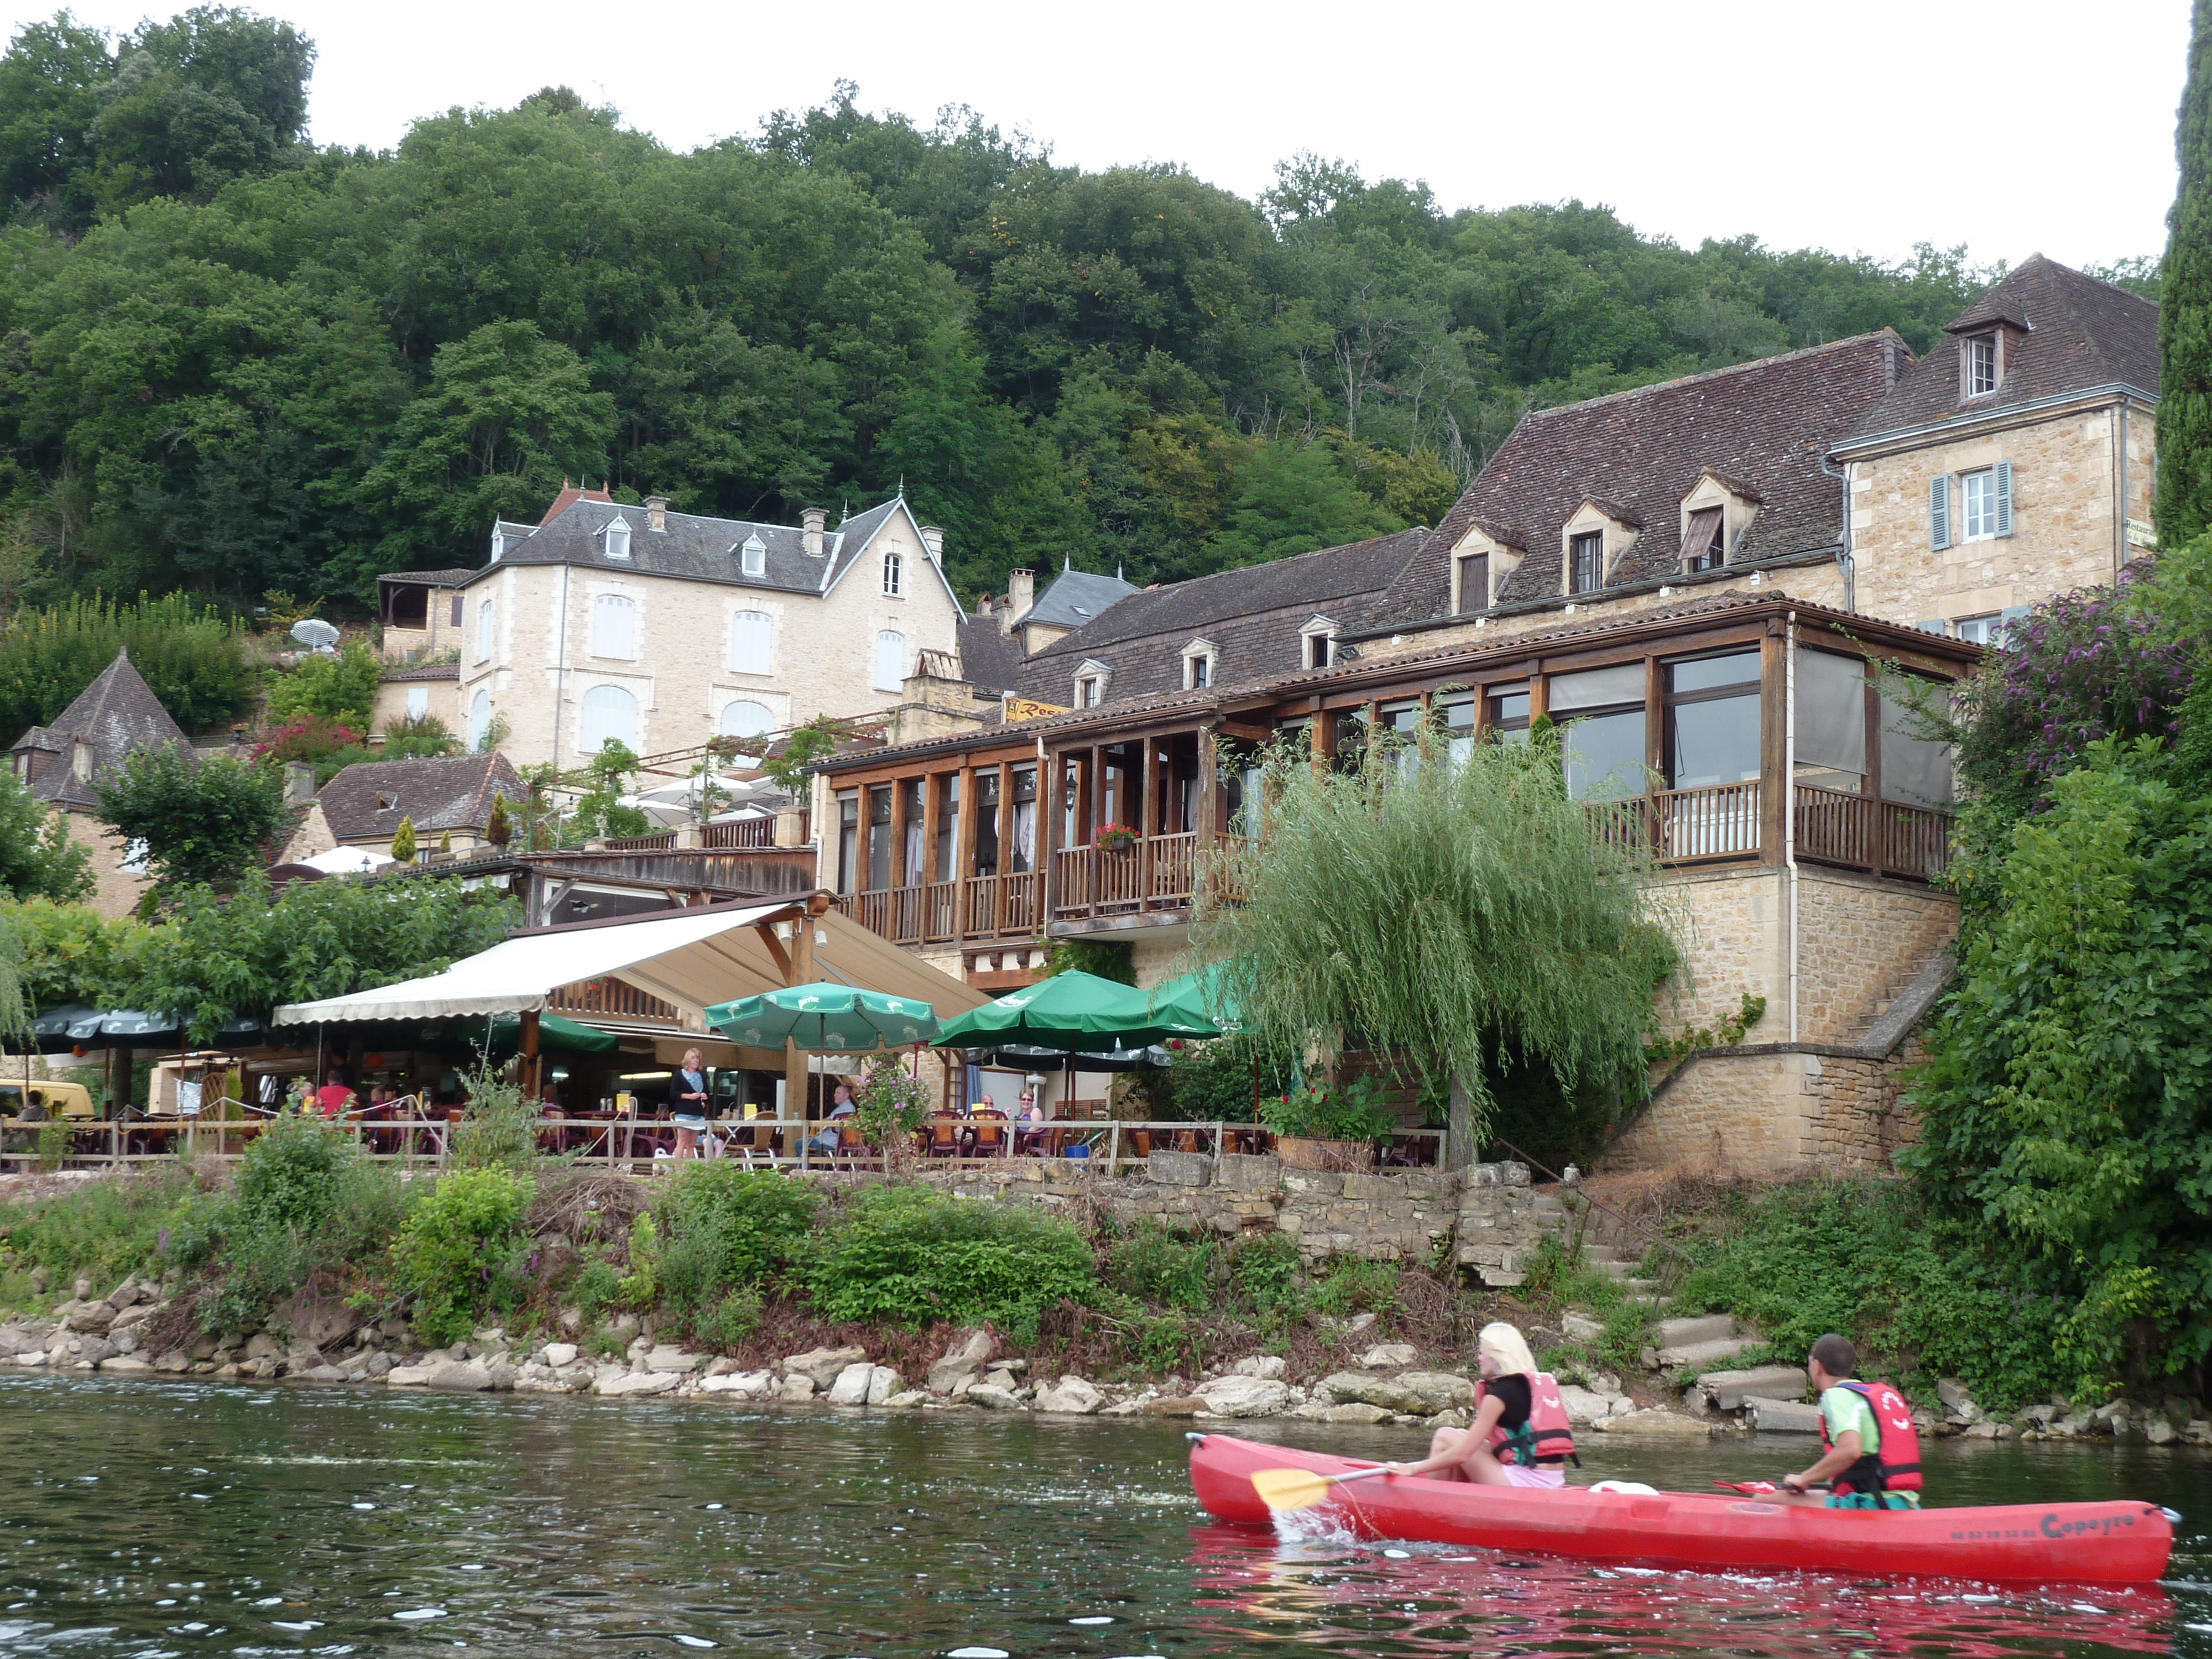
(69, 1100)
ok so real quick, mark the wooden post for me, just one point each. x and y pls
(529, 1065)
(964, 853)
(1114, 1144)
(1870, 812)
(1773, 688)
(1654, 747)
(1051, 790)
(931, 786)
(1209, 779)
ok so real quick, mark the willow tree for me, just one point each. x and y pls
(1459, 915)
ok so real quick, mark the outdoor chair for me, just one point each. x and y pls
(1142, 1140)
(943, 1140)
(989, 1137)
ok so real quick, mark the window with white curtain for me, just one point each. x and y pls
(479, 719)
(610, 713)
(752, 643)
(743, 718)
(483, 632)
(890, 660)
(418, 702)
(614, 626)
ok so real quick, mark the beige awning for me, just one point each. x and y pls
(691, 959)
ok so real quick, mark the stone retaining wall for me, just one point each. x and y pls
(1486, 1218)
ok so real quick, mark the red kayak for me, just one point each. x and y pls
(2116, 1543)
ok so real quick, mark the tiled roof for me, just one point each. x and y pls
(117, 714)
(568, 497)
(453, 792)
(992, 661)
(2082, 333)
(1252, 615)
(696, 549)
(451, 577)
(422, 671)
(1075, 598)
(1766, 424)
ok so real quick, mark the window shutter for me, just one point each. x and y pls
(1938, 511)
(1932, 625)
(2003, 486)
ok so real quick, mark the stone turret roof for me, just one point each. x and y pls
(117, 714)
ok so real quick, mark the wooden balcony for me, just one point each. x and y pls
(1882, 838)
(995, 909)
(1155, 873)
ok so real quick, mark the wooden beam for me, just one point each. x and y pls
(1773, 759)
(529, 1065)
(782, 957)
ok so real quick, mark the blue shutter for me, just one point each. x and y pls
(2006, 618)
(1932, 625)
(1938, 511)
(2003, 480)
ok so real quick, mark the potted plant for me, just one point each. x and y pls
(1323, 1125)
(1117, 837)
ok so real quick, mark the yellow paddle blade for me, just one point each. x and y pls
(1282, 1489)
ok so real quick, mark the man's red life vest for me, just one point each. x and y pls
(1899, 1456)
(1546, 1434)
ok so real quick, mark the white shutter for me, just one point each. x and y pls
(608, 712)
(890, 660)
(483, 632)
(752, 643)
(479, 719)
(2004, 490)
(614, 626)
(418, 702)
(1939, 512)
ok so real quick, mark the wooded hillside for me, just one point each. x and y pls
(231, 361)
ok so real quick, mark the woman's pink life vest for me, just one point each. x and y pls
(1899, 1456)
(1546, 1434)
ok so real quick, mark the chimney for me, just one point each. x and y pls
(1021, 594)
(656, 512)
(811, 521)
(298, 782)
(932, 539)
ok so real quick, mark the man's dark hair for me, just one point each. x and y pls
(1835, 1355)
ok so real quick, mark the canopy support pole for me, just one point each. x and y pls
(530, 1063)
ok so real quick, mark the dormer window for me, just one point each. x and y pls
(618, 539)
(1198, 665)
(1317, 643)
(1981, 365)
(1473, 581)
(894, 573)
(498, 544)
(1090, 683)
(1706, 547)
(1586, 563)
(752, 557)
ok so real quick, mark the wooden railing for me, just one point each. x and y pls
(1881, 838)
(940, 912)
(612, 998)
(1157, 872)
(741, 832)
(661, 841)
(1717, 821)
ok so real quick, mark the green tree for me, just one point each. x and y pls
(1293, 499)
(341, 687)
(508, 414)
(202, 818)
(50, 82)
(1456, 919)
(403, 842)
(2184, 317)
(191, 660)
(37, 858)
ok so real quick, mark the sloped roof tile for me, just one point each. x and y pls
(118, 712)
(441, 793)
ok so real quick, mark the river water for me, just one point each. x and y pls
(144, 1519)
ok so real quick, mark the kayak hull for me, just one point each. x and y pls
(2110, 1543)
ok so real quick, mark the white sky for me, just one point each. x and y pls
(2010, 128)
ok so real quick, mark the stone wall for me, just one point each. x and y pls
(1487, 1219)
(115, 890)
(1859, 941)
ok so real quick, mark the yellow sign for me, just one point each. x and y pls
(1027, 708)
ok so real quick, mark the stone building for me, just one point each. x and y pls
(61, 764)
(1692, 580)
(664, 629)
(442, 796)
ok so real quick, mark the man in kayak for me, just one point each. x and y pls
(1520, 1436)
(1855, 1464)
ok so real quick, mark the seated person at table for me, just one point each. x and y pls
(1520, 1436)
(334, 1097)
(842, 1106)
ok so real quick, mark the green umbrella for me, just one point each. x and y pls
(1204, 995)
(553, 1032)
(824, 1019)
(1074, 1011)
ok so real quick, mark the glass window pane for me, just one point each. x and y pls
(1715, 742)
(948, 824)
(1914, 771)
(987, 823)
(910, 852)
(1831, 719)
(1605, 756)
(1595, 687)
(1738, 668)
(879, 837)
(1022, 854)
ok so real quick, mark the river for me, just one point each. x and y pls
(148, 1519)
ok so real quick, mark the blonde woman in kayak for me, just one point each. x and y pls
(1518, 1412)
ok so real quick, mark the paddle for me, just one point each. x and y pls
(1283, 1489)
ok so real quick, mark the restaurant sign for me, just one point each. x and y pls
(1029, 709)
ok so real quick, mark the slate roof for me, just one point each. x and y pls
(118, 712)
(450, 792)
(2082, 333)
(698, 549)
(452, 577)
(992, 661)
(1075, 598)
(1252, 615)
(1764, 425)
(424, 670)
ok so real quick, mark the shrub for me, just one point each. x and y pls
(1159, 1264)
(499, 1131)
(103, 1229)
(1266, 1272)
(275, 1231)
(341, 687)
(912, 1256)
(193, 660)
(462, 1250)
(596, 1287)
(747, 1224)
(731, 1320)
(890, 1104)
(1325, 1111)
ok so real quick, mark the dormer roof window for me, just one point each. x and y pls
(1705, 546)
(618, 539)
(752, 557)
(1198, 659)
(1090, 680)
(1981, 365)
(1317, 643)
